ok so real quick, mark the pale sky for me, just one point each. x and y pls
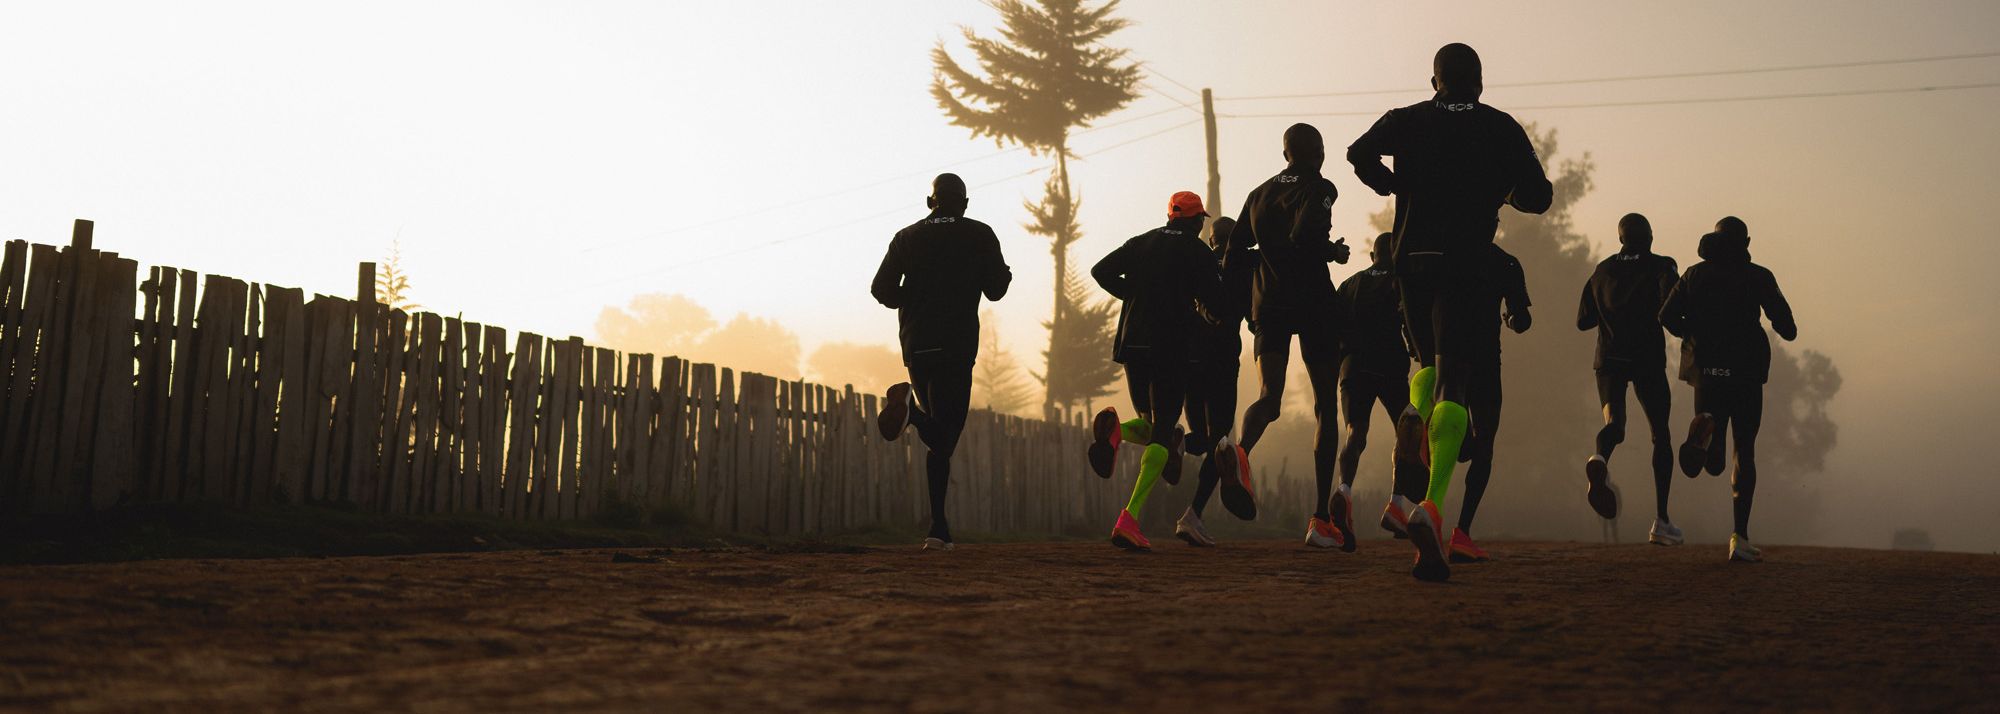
(542, 161)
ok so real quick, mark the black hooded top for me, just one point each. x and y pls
(932, 276)
(1288, 220)
(1622, 300)
(1164, 276)
(1456, 164)
(1714, 310)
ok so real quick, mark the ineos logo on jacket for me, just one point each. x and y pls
(942, 219)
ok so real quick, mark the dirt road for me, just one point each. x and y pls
(1027, 627)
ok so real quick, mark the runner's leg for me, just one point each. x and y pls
(945, 395)
(1273, 355)
(1485, 426)
(1747, 417)
(1356, 397)
(1611, 395)
(1325, 378)
(1656, 401)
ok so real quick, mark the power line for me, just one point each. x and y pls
(852, 189)
(1637, 77)
(1661, 102)
(874, 216)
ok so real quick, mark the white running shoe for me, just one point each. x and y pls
(1664, 533)
(937, 544)
(1189, 529)
(1741, 549)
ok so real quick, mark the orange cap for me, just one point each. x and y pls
(1184, 204)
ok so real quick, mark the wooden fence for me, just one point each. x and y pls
(181, 387)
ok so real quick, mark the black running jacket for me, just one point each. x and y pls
(1166, 277)
(1288, 220)
(1714, 310)
(1622, 301)
(1456, 164)
(1372, 307)
(933, 275)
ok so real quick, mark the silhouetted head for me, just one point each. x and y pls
(1730, 241)
(1383, 247)
(947, 194)
(1304, 147)
(1733, 227)
(1218, 232)
(1635, 233)
(1456, 73)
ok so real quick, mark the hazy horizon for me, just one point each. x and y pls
(541, 163)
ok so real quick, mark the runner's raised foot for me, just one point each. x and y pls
(1597, 489)
(1233, 475)
(1104, 438)
(897, 406)
(1341, 505)
(1694, 451)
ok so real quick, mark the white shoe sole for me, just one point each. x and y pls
(1663, 540)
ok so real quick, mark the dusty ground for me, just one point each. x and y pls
(1026, 627)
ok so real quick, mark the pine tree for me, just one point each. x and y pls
(997, 384)
(1046, 75)
(392, 285)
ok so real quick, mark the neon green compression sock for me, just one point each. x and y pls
(1151, 464)
(1448, 422)
(1137, 431)
(1423, 386)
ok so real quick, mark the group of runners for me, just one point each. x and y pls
(1438, 290)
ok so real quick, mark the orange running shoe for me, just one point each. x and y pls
(1463, 550)
(1126, 533)
(1395, 518)
(1322, 534)
(1233, 472)
(1427, 532)
(1341, 506)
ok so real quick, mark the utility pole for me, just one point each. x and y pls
(1214, 199)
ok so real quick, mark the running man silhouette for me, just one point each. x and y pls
(1622, 302)
(1164, 277)
(933, 275)
(1503, 299)
(1288, 221)
(1214, 362)
(1457, 162)
(1375, 369)
(1725, 354)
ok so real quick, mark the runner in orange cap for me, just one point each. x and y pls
(1164, 277)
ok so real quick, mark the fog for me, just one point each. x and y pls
(719, 180)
